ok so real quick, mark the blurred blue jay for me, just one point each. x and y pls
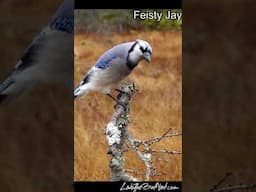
(49, 58)
(113, 66)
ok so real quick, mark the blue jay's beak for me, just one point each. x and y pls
(147, 57)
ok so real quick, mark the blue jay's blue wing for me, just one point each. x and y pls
(63, 20)
(105, 60)
(49, 49)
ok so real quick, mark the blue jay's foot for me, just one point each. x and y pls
(122, 92)
(117, 102)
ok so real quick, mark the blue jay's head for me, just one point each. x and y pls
(140, 50)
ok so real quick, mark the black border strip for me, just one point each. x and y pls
(128, 186)
(129, 4)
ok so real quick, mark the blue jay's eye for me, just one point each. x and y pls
(143, 50)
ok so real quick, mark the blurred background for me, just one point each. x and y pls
(155, 108)
(219, 95)
(109, 21)
(36, 131)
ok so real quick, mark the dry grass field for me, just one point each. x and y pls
(155, 108)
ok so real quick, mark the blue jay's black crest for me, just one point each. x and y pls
(114, 66)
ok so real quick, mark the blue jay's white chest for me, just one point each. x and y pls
(105, 80)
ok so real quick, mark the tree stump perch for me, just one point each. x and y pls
(116, 132)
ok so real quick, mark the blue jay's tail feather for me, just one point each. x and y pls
(76, 92)
(13, 87)
(81, 90)
(4, 86)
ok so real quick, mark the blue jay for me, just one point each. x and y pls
(49, 58)
(113, 66)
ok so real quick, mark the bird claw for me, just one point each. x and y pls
(117, 101)
(120, 91)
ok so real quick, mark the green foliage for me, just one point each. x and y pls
(163, 24)
(107, 21)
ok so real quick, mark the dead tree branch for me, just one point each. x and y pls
(165, 151)
(120, 141)
(146, 157)
(153, 140)
(116, 132)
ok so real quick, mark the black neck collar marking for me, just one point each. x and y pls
(130, 64)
